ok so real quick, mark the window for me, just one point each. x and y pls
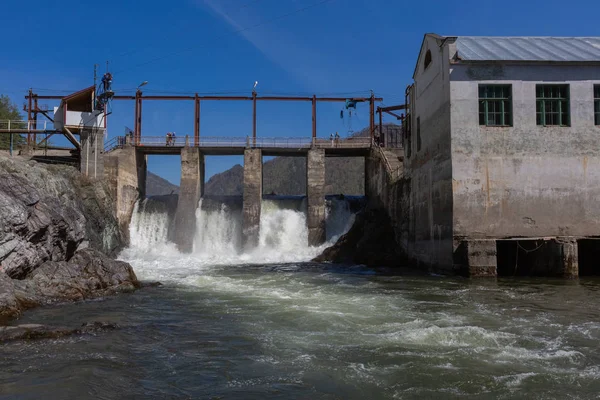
(495, 105)
(597, 104)
(552, 107)
(427, 59)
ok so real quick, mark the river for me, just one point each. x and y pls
(244, 326)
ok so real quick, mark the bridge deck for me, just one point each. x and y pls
(290, 147)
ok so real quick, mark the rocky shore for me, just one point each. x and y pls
(370, 242)
(58, 237)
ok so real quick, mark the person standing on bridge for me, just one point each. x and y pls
(337, 139)
(173, 139)
(331, 138)
(168, 138)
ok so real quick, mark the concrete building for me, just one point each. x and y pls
(502, 155)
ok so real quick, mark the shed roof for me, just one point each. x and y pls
(528, 48)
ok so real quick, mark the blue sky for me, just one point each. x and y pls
(184, 46)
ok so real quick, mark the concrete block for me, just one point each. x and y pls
(190, 192)
(315, 178)
(252, 198)
(92, 153)
(477, 258)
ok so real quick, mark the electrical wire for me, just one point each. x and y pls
(280, 17)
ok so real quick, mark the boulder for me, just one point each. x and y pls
(36, 331)
(9, 306)
(88, 274)
(370, 241)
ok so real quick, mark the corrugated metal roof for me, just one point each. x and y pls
(474, 48)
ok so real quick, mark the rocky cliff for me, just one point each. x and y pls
(57, 232)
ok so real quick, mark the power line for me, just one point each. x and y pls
(229, 33)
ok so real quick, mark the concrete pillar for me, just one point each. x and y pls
(566, 258)
(252, 197)
(479, 258)
(315, 188)
(125, 172)
(92, 153)
(190, 191)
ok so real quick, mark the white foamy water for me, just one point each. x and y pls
(218, 241)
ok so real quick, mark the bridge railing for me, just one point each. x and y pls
(22, 125)
(245, 142)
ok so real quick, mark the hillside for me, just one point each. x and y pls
(156, 186)
(282, 176)
(287, 175)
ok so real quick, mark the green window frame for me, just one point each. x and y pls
(495, 105)
(552, 105)
(597, 104)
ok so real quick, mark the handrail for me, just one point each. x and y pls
(245, 142)
(393, 173)
(23, 125)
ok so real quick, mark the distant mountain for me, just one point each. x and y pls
(156, 186)
(287, 175)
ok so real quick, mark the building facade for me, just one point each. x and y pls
(503, 145)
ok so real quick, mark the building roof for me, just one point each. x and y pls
(80, 101)
(526, 48)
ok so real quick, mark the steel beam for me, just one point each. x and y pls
(314, 117)
(197, 121)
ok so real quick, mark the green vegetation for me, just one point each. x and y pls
(9, 111)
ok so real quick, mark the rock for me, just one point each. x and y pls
(370, 241)
(88, 274)
(48, 212)
(9, 306)
(36, 331)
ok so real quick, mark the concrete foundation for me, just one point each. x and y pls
(315, 191)
(476, 258)
(125, 172)
(252, 197)
(92, 153)
(190, 192)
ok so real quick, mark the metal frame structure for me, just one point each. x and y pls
(139, 98)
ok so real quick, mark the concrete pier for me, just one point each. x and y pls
(125, 172)
(477, 258)
(315, 186)
(190, 192)
(252, 197)
(92, 153)
(566, 258)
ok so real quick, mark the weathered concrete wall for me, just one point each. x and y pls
(525, 180)
(125, 172)
(315, 192)
(428, 163)
(388, 188)
(190, 192)
(252, 197)
(92, 153)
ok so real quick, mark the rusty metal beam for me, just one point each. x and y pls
(393, 108)
(197, 121)
(314, 117)
(254, 118)
(232, 98)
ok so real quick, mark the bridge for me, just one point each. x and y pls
(122, 161)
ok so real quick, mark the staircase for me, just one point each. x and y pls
(393, 160)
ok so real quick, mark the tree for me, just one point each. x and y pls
(9, 111)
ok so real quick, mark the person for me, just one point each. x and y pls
(337, 139)
(331, 138)
(173, 139)
(168, 138)
(107, 81)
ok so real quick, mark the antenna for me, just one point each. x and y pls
(255, 85)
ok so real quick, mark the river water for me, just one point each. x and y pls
(246, 326)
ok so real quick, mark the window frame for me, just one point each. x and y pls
(597, 105)
(541, 103)
(504, 102)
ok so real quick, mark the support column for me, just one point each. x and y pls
(479, 258)
(125, 173)
(567, 257)
(92, 153)
(315, 187)
(252, 197)
(190, 190)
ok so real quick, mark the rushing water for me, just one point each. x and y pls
(233, 325)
